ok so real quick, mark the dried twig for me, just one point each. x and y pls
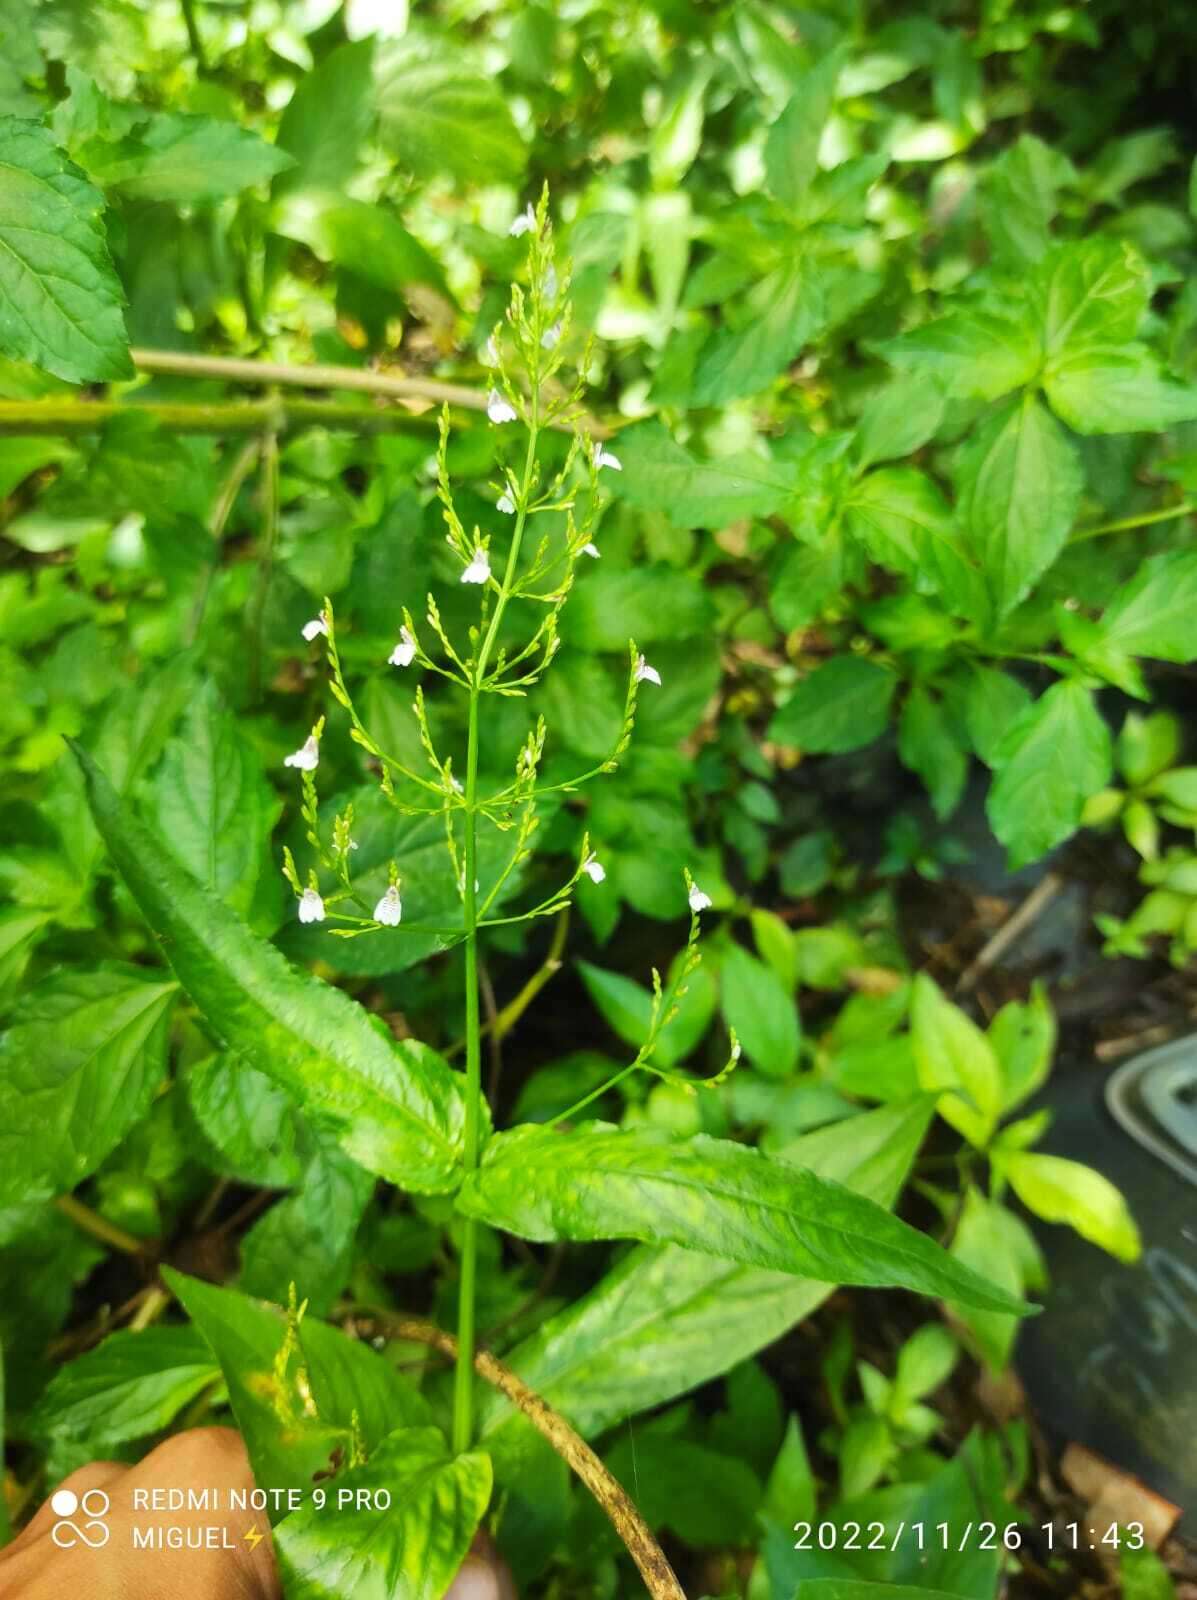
(1040, 897)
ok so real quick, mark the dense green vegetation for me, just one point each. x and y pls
(746, 439)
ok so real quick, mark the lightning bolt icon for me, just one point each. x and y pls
(253, 1536)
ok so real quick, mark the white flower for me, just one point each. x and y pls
(306, 758)
(478, 570)
(404, 652)
(524, 223)
(591, 549)
(389, 909)
(456, 782)
(698, 900)
(736, 1050)
(594, 869)
(551, 337)
(497, 409)
(491, 358)
(318, 625)
(549, 287)
(311, 907)
(647, 674)
(603, 458)
(505, 503)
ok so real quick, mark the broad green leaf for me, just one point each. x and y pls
(791, 1493)
(60, 300)
(298, 1399)
(927, 745)
(190, 160)
(258, 1133)
(645, 602)
(1146, 746)
(707, 1194)
(842, 705)
(660, 475)
(991, 1239)
(1020, 486)
(665, 1319)
(1024, 1037)
(971, 353)
(441, 114)
(306, 1239)
(781, 314)
(1152, 613)
(1018, 199)
(957, 1061)
(990, 701)
(905, 524)
(705, 1497)
(78, 1066)
(410, 1551)
(862, 1589)
(394, 1107)
(792, 146)
(924, 1362)
(128, 1387)
(1091, 291)
(1053, 757)
(1106, 388)
(626, 1006)
(363, 239)
(899, 418)
(1067, 1191)
(328, 119)
(757, 1005)
(212, 804)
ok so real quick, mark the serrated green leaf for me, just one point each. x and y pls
(190, 160)
(1053, 757)
(1090, 291)
(257, 1131)
(792, 145)
(974, 352)
(440, 114)
(328, 119)
(1152, 613)
(927, 744)
(410, 1551)
(60, 300)
(842, 705)
(659, 475)
(395, 1108)
(899, 418)
(128, 1387)
(1106, 388)
(991, 700)
(781, 315)
(363, 239)
(1020, 486)
(306, 1239)
(706, 1194)
(905, 524)
(78, 1066)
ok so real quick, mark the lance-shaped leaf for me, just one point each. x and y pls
(396, 1108)
(713, 1195)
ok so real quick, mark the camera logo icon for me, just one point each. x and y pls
(94, 1505)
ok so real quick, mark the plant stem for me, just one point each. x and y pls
(463, 1381)
(73, 417)
(1144, 521)
(257, 611)
(222, 509)
(99, 1227)
(193, 36)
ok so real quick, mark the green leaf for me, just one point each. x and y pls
(212, 804)
(78, 1066)
(861, 1589)
(1104, 388)
(1091, 291)
(1053, 757)
(971, 353)
(707, 1498)
(363, 239)
(1146, 746)
(1018, 199)
(410, 1551)
(1020, 486)
(307, 1238)
(395, 1108)
(1067, 1191)
(757, 1005)
(792, 146)
(899, 418)
(439, 114)
(256, 1129)
(957, 1061)
(659, 475)
(128, 1387)
(627, 1006)
(648, 603)
(928, 745)
(1024, 1037)
(990, 1239)
(60, 300)
(905, 524)
(190, 160)
(707, 1194)
(991, 700)
(781, 314)
(665, 1319)
(298, 1398)
(328, 119)
(1152, 613)
(842, 705)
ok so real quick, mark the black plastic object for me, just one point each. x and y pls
(1112, 1362)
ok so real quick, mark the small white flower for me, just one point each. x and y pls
(497, 409)
(311, 907)
(647, 674)
(736, 1050)
(591, 550)
(491, 358)
(478, 570)
(456, 782)
(306, 758)
(549, 286)
(524, 223)
(698, 900)
(404, 652)
(603, 458)
(389, 909)
(505, 504)
(551, 337)
(594, 869)
(317, 626)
